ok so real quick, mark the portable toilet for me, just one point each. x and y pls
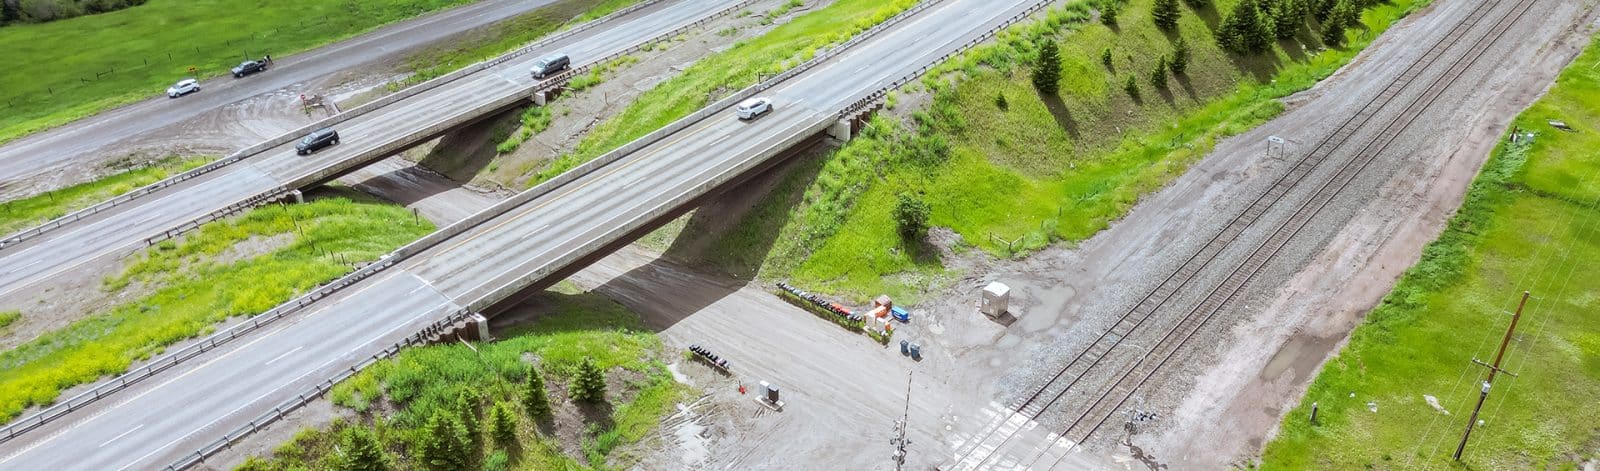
(996, 297)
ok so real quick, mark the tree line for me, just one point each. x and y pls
(40, 11)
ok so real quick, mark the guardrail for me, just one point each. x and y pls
(879, 94)
(352, 113)
(163, 363)
(300, 400)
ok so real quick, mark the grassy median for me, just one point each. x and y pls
(1011, 170)
(723, 73)
(240, 266)
(1530, 222)
(395, 399)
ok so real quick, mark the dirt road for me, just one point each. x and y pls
(67, 154)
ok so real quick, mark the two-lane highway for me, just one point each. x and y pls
(364, 139)
(516, 249)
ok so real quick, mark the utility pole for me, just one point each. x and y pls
(1493, 369)
(900, 441)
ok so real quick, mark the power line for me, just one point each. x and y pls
(1493, 371)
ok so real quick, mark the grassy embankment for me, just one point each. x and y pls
(57, 82)
(721, 74)
(193, 285)
(505, 37)
(420, 382)
(21, 214)
(1036, 170)
(1529, 222)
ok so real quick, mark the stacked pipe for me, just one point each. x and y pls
(708, 356)
(830, 306)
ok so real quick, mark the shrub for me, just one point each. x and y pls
(1108, 12)
(589, 385)
(1047, 72)
(1165, 13)
(999, 102)
(361, 452)
(911, 216)
(1105, 56)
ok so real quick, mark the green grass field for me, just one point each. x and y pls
(1529, 223)
(506, 37)
(63, 70)
(421, 381)
(1043, 169)
(191, 292)
(721, 74)
(21, 214)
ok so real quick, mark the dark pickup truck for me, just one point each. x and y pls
(249, 67)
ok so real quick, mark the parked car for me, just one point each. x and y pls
(317, 140)
(754, 108)
(248, 67)
(183, 87)
(550, 64)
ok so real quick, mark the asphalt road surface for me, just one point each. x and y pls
(72, 144)
(154, 424)
(364, 139)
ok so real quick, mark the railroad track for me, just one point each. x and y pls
(1049, 393)
(1225, 292)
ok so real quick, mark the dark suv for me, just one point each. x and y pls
(316, 140)
(248, 67)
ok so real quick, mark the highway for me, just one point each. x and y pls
(369, 137)
(68, 145)
(170, 417)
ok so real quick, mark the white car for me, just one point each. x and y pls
(183, 87)
(754, 108)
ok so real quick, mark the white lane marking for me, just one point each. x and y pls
(280, 357)
(119, 437)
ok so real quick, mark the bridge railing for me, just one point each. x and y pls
(290, 136)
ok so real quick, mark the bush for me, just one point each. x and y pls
(1047, 72)
(361, 452)
(911, 216)
(999, 102)
(589, 385)
(1165, 13)
(1105, 56)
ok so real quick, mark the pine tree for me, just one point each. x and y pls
(1158, 74)
(1321, 9)
(1108, 12)
(503, 426)
(466, 409)
(444, 444)
(589, 385)
(1132, 87)
(535, 400)
(1287, 18)
(1047, 73)
(361, 452)
(1245, 31)
(1165, 13)
(1343, 16)
(1197, 4)
(1105, 58)
(1180, 57)
(1000, 101)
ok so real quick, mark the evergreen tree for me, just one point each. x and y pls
(466, 409)
(589, 385)
(1105, 58)
(1287, 18)
(535, 400)
(1047, 72)
(1132, 87)
(444, 443)
(503, 426)
(1158, 74)
(1165, 14)
(1197, 4)
(1320, 9)
(361, 452)
(1108, 12)
(1180, 57)
(1000, 101)
(1343, 16)
(1245, 30)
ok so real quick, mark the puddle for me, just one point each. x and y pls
(1301, 354)
(677, 375)
(693, 441)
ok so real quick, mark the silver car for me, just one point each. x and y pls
(754, 108)
(183, 87)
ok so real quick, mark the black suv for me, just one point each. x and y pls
(248, 67)
(316, 140)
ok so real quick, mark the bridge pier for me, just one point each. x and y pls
(842, 130)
